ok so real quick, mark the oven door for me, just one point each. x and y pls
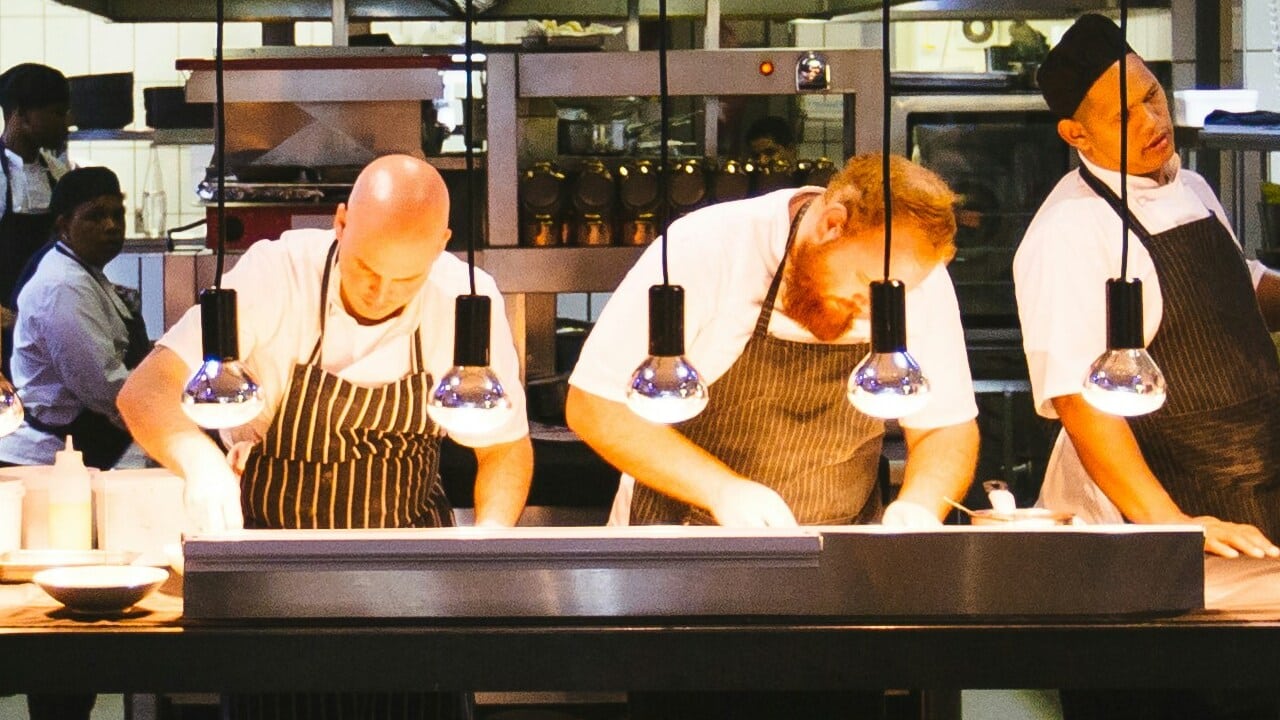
(1002, 155)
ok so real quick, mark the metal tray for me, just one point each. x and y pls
(22, 565)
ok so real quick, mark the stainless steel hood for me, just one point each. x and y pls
(364, 10)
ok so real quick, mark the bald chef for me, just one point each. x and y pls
(360, 318)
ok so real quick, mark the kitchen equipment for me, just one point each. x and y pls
(688, 186)
(35, 502)
(731, 181)
(1002, 501)
(694, 571)
(167, 107)
(139, 511)
(815, 172)
(583, 136)
(594, 195)
(100, 589)
(773, 175)
(11, 492)
(542, 206)
(101, 102)
(1191, 106)
(638, 192)
(1021, 518)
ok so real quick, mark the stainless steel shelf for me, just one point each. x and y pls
(556, 270)
(177, 136)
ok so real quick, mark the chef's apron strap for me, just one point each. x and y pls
(766, 308)
(324, 300)
(1109, 195)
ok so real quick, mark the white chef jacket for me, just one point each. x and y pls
(725, 256)
(277, 285)
(1070, 250)
(32, 188)
(68, 353)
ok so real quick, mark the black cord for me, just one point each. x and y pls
(467, 130)
(664, 132)
(884, 138)
(220, 140)
(1125, 219)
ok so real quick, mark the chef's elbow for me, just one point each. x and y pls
(581, 412)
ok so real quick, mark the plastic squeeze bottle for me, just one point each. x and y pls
(70, 502)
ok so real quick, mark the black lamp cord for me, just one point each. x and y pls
(884, 137)
(467, 132)
(1125, 219)
(220, 142)
(664, 132)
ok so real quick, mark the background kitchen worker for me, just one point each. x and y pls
(36, 102)
(1211, 455)
(776, 318)
(771, 138)
(77, 334)
(358, 319)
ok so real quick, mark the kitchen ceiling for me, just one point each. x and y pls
(364, 10)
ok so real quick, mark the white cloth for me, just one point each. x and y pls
(32, 186)
(278, 299)
(68, 353)
(1070, 250)
(725, 257)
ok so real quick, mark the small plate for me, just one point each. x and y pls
(22, 565)
(100, 589)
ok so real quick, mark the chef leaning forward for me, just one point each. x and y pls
(776, 317)
(1211, 455)
(345, 330)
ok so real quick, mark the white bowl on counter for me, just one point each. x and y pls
(100, 589)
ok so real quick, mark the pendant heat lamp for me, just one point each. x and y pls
(222, 393)
(11, 413)
(1124, 380)
(888, 383)
(665, 388)
(469, 399)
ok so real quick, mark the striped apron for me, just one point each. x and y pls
(1215, 444)
(780, 416)
(342, 456)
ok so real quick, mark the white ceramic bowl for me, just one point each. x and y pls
(100, 588)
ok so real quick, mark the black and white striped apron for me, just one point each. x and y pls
(338, 455)
(780, 416)
(1215, 444)
(342, 456)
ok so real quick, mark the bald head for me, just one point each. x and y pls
(390, 231)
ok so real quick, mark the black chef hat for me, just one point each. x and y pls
(32, 85)
(80, 186)
(1086, 50)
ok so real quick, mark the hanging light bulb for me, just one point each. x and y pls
(888, 383)
(1125, 380)
(469, 399)
(222, 393)
(11, 413)
(665, 388)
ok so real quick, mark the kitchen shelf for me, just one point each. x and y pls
(176, 136)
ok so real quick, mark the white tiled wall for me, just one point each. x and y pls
(80, 43)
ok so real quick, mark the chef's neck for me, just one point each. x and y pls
(1161, 176)
(20, 143)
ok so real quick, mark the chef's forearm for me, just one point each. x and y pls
(1110, 454)
(1268, 292)
(149, 403)
(657, 455)
(503, 475)
(940, 463)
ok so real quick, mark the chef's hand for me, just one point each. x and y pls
(213, 500)
(906, 514)
(238, 455)
(1229, 539)
(743, 503)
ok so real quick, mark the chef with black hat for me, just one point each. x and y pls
(1211, 454)
(36, 101)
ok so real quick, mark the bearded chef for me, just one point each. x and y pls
(776, 317)
(1211, 454)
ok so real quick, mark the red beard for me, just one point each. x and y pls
(828, 318)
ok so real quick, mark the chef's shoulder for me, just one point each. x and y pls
(1070, 211)
(279, 266)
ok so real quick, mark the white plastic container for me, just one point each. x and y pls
(70, 502)
(1191, 106)
(35, 503)
(139, 510)
(11, 492)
